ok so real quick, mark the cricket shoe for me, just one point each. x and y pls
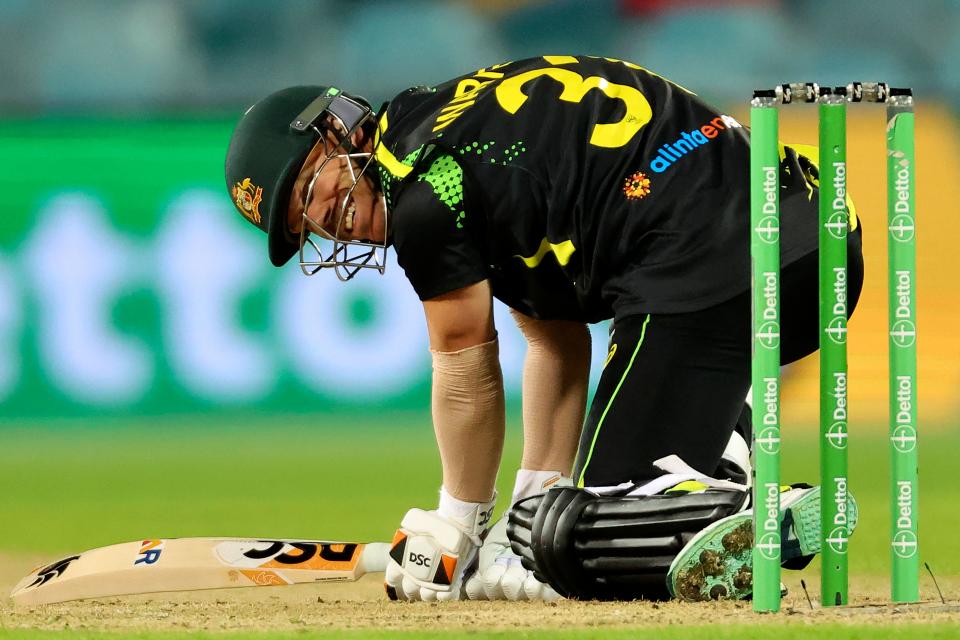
(717, 563)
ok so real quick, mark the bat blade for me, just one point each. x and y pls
(188, 564)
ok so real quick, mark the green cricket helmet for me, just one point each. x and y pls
(267, 150)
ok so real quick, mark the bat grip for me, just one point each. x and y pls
(375, 556)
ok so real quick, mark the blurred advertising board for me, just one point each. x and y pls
(129, 284)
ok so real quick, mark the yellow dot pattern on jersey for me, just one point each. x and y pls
(446, 178)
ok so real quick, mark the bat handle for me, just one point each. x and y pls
(375, 557)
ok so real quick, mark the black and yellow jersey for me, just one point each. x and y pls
(581, 187)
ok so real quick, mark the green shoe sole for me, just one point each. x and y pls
(801, 524)
(717, 564)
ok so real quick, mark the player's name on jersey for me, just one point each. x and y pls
(671, 152)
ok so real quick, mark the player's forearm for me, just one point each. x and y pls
(468, 418)
(555, 376)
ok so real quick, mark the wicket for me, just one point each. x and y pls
(834, 218)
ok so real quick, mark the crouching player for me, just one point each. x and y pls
(573, 189)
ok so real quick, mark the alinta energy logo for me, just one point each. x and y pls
(672, 152)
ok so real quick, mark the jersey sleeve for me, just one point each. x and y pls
(435, 241)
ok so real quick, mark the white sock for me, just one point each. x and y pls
(455, 508)
(531, 483)
(471, 517)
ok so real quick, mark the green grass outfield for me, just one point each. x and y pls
(735, 632)
(74, 485)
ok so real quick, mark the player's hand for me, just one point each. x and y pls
(430, 554)
(500, 575)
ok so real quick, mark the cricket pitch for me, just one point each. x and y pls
(363, 606)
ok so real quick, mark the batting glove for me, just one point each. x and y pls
(500, 575)
(431, 552)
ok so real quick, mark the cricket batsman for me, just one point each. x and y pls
(573, 189)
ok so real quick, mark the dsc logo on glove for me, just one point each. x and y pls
(419, 559)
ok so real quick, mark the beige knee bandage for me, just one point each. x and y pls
(468, 419)
(555, 376)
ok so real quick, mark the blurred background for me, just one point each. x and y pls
(137, 309)
(128, 287)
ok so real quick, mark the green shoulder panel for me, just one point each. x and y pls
(445, 177)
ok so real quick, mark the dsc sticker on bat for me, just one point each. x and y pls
(288, 555)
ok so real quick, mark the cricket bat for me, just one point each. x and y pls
(187, 564)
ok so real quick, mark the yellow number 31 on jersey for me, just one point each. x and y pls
(511, 97)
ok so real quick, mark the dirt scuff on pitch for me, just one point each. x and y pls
(362, 605)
